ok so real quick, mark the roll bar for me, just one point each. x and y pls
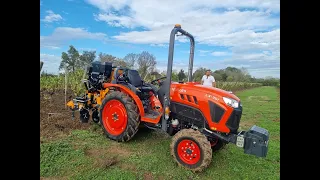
(164, 91)
(177, 28)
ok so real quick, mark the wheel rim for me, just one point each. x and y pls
(213, 143)
(114, 117)
(189, 152)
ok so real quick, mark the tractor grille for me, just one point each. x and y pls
(189, 98)
(216, 112)
(234, 120)
(188, 112)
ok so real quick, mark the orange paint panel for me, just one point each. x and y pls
(130, 93)
(204, 95)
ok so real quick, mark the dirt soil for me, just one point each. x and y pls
(60, 122)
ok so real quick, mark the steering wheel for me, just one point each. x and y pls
(159, 81)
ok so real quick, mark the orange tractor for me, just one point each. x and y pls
(200, 119)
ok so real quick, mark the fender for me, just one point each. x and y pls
(130, 93)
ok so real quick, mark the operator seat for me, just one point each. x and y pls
(135, 80)
(118, 79)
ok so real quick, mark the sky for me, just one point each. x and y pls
(237, 33)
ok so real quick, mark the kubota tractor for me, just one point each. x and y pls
(201, 119)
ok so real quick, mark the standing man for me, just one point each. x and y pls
(208, 80)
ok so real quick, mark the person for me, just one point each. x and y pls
(208, 80)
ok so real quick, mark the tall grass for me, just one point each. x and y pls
(237, 86)
(53, 83)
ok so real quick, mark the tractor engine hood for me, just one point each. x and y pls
(212, 90)
(219, 92)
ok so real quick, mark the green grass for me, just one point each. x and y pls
(84, 154)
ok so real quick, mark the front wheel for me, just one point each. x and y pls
(191, 150)
(217, 144)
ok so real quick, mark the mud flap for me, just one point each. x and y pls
(255, 141)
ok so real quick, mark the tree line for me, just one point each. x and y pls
(145, 63)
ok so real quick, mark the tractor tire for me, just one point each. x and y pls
(119, 116)
(191, 150)
(218, 145)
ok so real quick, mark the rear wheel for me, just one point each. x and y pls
(191, 150)
(119, 116)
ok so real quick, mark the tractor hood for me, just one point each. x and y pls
(209, 90)
(218, 91)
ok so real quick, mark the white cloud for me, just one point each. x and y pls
(51, 16)
(117, 21)
(87, 49)
(107, 4)
(249, 30)
(160, 45)
(213, 53)
(62, 35)
(204, 51)
(219, 53)
(207, 26)
(50, 63)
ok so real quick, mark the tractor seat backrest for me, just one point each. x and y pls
(117, 72)
(116, 75)
(134, 78)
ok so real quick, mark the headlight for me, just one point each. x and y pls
(231, 102)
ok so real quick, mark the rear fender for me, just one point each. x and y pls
(130, 93)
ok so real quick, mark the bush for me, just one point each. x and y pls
(236, 86)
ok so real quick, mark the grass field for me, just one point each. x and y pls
(87, 154)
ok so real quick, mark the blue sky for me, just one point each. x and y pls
(235, 33)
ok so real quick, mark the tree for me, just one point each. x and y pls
(156, 74)
(174, 76)
(106, 58)
(230, 78)
(233, 69)
(181, 75)
(217, 76)
(131, 59)
(120, 62)
(152, 76)
(112, 59)
(87, 57)
(197, 75)
(70, 60)
(146, 63)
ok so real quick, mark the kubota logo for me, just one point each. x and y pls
(211, 97)
(180, 90)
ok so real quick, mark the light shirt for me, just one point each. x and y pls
(208, 80)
